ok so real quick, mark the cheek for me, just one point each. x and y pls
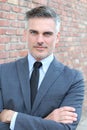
(30, 39)
(30, 44)
(52, 42)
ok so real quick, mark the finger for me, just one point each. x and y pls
(68, 108)
(68, 113)
(66, 121)
(68, 118)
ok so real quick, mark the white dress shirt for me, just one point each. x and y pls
(43, 69)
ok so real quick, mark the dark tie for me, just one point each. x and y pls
(34, 80)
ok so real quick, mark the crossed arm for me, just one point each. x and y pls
(62, 115)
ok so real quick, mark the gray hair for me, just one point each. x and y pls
(44, 12)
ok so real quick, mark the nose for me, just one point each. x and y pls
(40, 38)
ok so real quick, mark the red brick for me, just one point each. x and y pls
(10, 31)
(23, 53)
(4, 55)
(14, 39)
(4, 23)
(5, 7)
(21, 17)
(2, 61)
(12, 16)
(3, 15)
(2, 31)
(19, 32)
(17, 47)
(24, 37)
(4, 40)
(7, 15)
(18, 24)
(7, 31)
(13, 54)
(16, 9)
(2, 47)
(3, 0)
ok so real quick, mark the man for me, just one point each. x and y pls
(57, 105)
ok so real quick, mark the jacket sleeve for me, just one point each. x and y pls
(4, 126)
(27, 122)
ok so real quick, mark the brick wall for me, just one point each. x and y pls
(72, 48)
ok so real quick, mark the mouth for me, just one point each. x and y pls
(40, 48)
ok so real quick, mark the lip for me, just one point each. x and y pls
(40, 48)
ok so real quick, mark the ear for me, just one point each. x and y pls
(58, 37)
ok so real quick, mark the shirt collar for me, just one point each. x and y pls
(45, 62)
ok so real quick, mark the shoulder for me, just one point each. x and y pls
(11, 65)
(67, 71)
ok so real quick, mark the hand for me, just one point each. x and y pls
(6, 115)
(63, 115)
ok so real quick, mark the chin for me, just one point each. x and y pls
(40, 57)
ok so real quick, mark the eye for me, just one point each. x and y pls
(48, 34)
(33, 32)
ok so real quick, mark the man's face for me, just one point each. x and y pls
(42, 37)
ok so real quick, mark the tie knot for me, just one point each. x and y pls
(37, 64)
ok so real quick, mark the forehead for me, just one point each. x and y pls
(45, 24)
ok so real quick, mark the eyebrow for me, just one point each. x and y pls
(46, 32)
(31, 30)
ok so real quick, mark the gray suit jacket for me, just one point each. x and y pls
(61, 86)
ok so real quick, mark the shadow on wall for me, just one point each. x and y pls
(83, 123)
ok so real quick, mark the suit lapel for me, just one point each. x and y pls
(53, 73)
(23, 73)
